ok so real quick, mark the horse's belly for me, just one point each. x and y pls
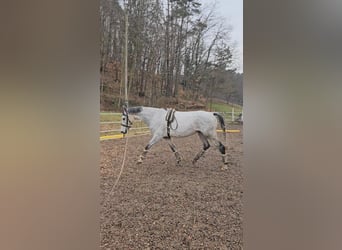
(183, 130)
(182, 133)
(186, 126)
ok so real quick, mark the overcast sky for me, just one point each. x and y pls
(232, 12)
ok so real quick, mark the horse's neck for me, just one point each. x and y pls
(148, 115)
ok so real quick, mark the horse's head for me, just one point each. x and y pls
(133, 113)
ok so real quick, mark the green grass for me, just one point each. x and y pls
(223, 107)
(109, 117)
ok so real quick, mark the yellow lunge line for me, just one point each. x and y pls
(108, 137)
(230, 131)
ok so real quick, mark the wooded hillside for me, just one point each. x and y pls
(179, 53)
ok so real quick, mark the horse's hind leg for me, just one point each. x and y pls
(174, 150)
(153, 141)
(206, 145)
(222, 150)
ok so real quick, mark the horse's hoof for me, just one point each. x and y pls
(224, 167)
(139, 161)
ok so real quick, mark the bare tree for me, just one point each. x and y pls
(171, 43)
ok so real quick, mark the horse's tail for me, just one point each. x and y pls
(222, 124)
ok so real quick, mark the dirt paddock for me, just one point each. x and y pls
(159, 205)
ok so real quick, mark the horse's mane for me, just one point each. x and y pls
(135, 110)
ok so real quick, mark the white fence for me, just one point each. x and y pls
(138, 127)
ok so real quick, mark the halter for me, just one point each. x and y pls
(125, 122)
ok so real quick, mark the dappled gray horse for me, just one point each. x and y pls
(183, 124)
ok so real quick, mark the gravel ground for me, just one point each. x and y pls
(159, 205)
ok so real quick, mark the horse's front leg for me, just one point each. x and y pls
(174, 150)
(153, 141)
(142, 156)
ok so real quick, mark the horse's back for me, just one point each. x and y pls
(202, 121)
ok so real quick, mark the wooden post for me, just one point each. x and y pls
(126, 52)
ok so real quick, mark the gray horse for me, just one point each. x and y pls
(184, 124)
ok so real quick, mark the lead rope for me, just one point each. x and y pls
(121, 170)
(125, 112)
(115, 183)
(125, 121)
(125, 125)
